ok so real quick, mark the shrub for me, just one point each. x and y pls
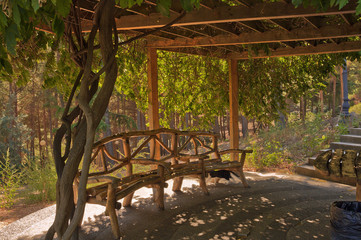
(41, 181)
(284, 147)
(356, 109)
(9, 182)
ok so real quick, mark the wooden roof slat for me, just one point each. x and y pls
(252, 25)
(327, 48)
(261, 11)
(225, 27)
(348, 19)
(301, 34)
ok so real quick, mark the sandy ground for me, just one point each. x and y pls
(275, 207)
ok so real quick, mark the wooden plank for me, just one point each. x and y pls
(233, 107)
(326, 48)
(300, 34)
(260, 11)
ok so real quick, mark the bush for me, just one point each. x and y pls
(285, 147)
(41, 181)
(9, 182)
(356, 109)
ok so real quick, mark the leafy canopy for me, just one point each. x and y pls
(19, 19)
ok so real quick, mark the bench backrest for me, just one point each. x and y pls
(146, 147)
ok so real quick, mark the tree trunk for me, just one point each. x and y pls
(321, 101)
(244, 126)
(333, 95)
(83, 136)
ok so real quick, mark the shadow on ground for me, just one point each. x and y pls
(275, 207)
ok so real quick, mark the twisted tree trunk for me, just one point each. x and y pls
(79, 144)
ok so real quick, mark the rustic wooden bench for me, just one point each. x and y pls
(125, 162)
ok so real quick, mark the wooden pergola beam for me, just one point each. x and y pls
(300, 34)
(224, 14)
(326, 48)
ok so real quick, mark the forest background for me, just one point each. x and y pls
(289, 110)
(289, 106)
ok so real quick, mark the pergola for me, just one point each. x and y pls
(228, 31)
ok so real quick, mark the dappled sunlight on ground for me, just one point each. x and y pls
(275, 207)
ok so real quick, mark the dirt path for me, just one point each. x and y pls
(19, 210)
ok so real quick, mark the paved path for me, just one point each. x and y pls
(275, 207)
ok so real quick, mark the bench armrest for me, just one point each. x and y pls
(107, 179)
(235, 151)
(186, 158)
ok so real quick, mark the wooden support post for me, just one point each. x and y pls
(153, 115)
(233, 112)
(202, 177)
(333, 79)
(177, 182)
(111, 212)
(127, 201)
(341, 86)
(241, 174)
(153, 111)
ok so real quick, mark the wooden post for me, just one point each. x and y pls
(341, 85)
(177, 182)
(153, 110)
(127, 201)
(233, 102)
(321, 101)
(153, 115)
(111, 212)
(333, 79)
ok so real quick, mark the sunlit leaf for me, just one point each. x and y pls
(35, 5)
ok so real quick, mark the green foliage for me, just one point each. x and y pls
(199, 86)
(323, 5)
(10, 177)
(264, 93)
(40, 181)
(13, 133)
(267, 156)
(356, 109)
(285, 147)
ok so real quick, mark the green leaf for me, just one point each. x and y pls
(35, 5)
(358, 8)
(58, 26)
(187, 5)
(332, 3)
(3, 20)
(342, 3)
(10, 38)
(163, 7)
(16, 15)
(7, 66)
(297, 2)
(63, 7)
